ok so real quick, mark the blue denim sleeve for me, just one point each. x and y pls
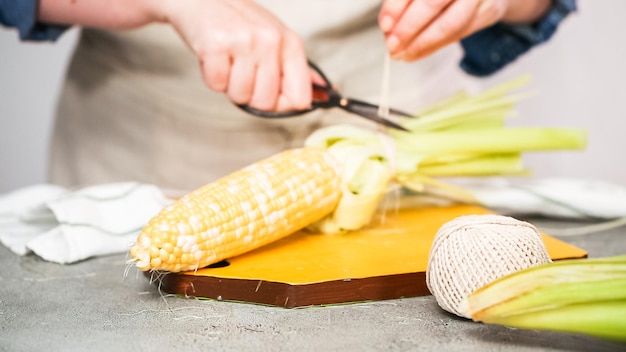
(22, 14)
(492, 48)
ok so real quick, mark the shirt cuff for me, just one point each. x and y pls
(492, 48)
(22, 15)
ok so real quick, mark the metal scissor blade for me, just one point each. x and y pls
(401, 113)
(371, 113)
(375, 107)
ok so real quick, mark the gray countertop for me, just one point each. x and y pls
(93, 306)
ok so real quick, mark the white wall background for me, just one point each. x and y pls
(580, 75)
(30, 79)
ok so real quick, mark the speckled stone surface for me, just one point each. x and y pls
(93, 306)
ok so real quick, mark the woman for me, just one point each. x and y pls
(135, 107)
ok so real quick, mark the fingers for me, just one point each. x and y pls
(416, 28)
(216, 79)
(449, 26)
(295, 77)
(242, 80)
(390, 13)
(415, 17)
(266, 88)
(275, 78)
(246, 53)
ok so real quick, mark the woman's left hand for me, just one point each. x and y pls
(416, 28)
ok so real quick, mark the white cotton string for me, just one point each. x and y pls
(389, 145)
(389, 149)
(383, 107)
(472, 251)
(387, 142)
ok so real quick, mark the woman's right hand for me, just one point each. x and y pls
(244, 51)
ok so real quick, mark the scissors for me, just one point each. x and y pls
(326, 97)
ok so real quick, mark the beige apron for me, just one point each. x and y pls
(134, 107)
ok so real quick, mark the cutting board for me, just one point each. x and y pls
(386, 260)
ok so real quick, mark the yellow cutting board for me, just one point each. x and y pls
(386, 260)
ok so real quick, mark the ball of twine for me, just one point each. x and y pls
(472, 251)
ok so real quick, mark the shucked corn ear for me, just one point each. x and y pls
(585, 296)
(249, 208)
(465, 135)
(366, 175)
(235, 215)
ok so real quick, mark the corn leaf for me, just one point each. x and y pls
(585, 296)
(464, 135)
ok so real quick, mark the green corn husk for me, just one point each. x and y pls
(463, 136)
(366, 174)
(586, 296)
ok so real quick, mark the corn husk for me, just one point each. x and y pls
(586, 296)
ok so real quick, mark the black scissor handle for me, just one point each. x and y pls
(274, 114)
(332, 99)
(326, 97)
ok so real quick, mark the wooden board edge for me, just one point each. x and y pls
(302, 295)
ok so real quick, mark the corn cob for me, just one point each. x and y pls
(585, 296)
(245, 210)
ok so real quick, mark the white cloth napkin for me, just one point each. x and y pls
(66, 226)
(554, 197)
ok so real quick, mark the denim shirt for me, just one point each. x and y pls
(21, 14)
(485, 51)
(492, 48)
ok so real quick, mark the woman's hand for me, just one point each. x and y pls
(417, 28)
(244, 51)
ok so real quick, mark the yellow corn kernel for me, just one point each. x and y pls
(245, 210)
